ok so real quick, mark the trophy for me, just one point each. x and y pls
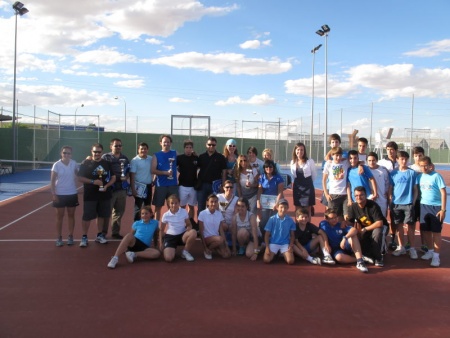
(123, 177)
(170, 168)
(249, 172)
(100, 172)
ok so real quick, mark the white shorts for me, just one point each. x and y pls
(188, 196)
(276, 247)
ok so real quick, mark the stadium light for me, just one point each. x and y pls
(116, 98)
(325, 29)
(19, 9)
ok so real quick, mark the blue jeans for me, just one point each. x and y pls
(202, 194)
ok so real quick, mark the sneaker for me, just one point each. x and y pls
(207, 256)
(413, 253)
(392, 246)
(187, 256)
(70, 240)
(367, 259)
(435, 262)
(379, 262)
(328, 260)
(399, 251)
(130, 255)
(424, 248)
(427, 256)
(362, 267)
(59, 242)
(316, 261)
(101, 239)
(113, 262)
(241, 251)
(407, 246)
(84, 242)
(117, 236)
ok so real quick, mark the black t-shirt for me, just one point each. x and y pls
(366, 216)
(90, 169)
(187, 167)
(116, 168)
(305, 236)
(211, 167)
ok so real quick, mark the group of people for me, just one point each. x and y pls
(241, 208)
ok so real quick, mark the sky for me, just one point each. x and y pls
(247, 64)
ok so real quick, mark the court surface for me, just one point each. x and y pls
(47, 291)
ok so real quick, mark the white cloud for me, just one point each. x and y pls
(96, 74)
(224, 63)
(267, 42)
(179, 100)
(255, 100)
(432, 48)
(130, 84)
(250, 44)
(154, 41)
(104, 56)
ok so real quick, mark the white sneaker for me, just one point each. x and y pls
(328, 260)
(101, 239)
(427, 256)
(367, 259)
(362, 267)
(187, 256)
(207, 256)
(130, 255)
(435, 262)
(113, 262)
(316, 261)
(413, 253)
(399, 251)
(84, 242)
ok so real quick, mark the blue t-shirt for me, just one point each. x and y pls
(357, 180)
(403, 186)
(145, 231)
(163, 164)
(280, 229)
(270, 187)
(430, 188)
(142, 168)
(334, 234)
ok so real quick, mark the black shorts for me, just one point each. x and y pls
(172, 241)
(66, 201)
(428, 218)
(138, 246)
(94, 209)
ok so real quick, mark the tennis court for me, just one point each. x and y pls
(48, 291)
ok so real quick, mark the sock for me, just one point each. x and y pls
(360, 260)
(435, 254)
(325, 252)
(309, 259)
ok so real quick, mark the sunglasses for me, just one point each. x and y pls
(211, 145)
(97, 151)
(118, 146)
(232, 145)
(66, 153)
(228, 187)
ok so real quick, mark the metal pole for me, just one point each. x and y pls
(14, 132)
(125, 114)
(412, 126)
(326, 96)
(313, 51)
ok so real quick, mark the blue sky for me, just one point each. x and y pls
(232, 60)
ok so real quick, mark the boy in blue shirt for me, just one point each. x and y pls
(343, 241)
(432, 208)
(357, 179)
(280, 234)
(402, 194)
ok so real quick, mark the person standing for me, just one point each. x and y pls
(64, 192)
(303, 169)
(213, 167)
(187, 167)
(119, 166)
(141, 175)
(164, 166)
(97, 179)
(231, 154)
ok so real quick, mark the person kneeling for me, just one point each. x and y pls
(280, 234)
(137, 243)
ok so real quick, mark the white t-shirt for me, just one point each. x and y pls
(337, 177)
(66, 177)
(211, 222)
(227, 207)
(176, 222)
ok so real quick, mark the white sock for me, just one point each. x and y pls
(309, 259)
(435, 254)
(325, 252)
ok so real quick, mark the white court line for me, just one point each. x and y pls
(26, 215)
(24, 193)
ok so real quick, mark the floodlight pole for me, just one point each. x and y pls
(313, 51)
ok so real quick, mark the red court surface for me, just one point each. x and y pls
(47, 291)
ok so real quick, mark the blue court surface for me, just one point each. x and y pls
(20, 183)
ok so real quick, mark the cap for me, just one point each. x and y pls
(283, 201)
(231, 141)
